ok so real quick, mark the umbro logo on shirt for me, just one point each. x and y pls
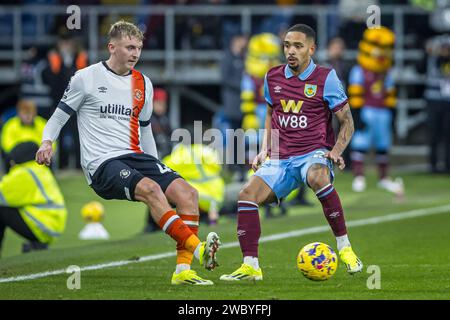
(277, 89)
(102, 89)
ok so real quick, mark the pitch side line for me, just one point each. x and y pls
(274, 237)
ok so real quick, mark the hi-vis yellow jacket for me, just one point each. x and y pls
(33, 190)
(14, 132)
(200, 166)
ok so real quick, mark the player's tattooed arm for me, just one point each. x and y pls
(346, 129)
(345, 134)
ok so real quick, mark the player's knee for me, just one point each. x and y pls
(319, 178)
(246, 194)
(191, 195)
(150, 190)
(186, 199)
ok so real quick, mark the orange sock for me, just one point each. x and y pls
(177, 229)
(183, 255)
(192, 243)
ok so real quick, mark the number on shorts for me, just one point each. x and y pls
(163, 168)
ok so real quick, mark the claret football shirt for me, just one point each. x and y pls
(302, 108)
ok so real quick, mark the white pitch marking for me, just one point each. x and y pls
(274, 237)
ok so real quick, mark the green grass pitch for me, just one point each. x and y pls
(413, 254)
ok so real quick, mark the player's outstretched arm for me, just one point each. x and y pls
(51, 133)
(45, 153)
(345, 134)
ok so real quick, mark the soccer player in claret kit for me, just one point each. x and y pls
(113, 103)
(301, 98)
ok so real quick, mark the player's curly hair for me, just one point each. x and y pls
(123, 28)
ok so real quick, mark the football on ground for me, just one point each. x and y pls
(317, 261)
(93, 211)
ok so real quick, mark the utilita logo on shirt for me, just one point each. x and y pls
(116, 111)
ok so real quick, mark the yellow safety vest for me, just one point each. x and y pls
(14, 132)
(33, 190)
(200, 166)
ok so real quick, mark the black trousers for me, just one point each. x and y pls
(5, 162)
(10, 217)
(439, 132)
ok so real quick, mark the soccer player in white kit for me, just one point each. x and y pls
(113, 104)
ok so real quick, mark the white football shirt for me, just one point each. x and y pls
(103, 102)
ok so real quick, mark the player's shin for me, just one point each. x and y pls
(174, 226)
(334, 214)
(332, 209)
(249, 231)
(184, 257)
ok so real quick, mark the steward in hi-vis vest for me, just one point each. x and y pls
(31, 202)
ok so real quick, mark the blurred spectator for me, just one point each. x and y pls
(26, 126)
(160, 123)
(63, 62)
(31, 84)
(31, 203)
(335, 59)
(437, 94)
(229, 116)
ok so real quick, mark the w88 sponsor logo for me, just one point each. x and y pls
(293, 121)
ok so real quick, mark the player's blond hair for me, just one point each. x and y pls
(123, 28)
